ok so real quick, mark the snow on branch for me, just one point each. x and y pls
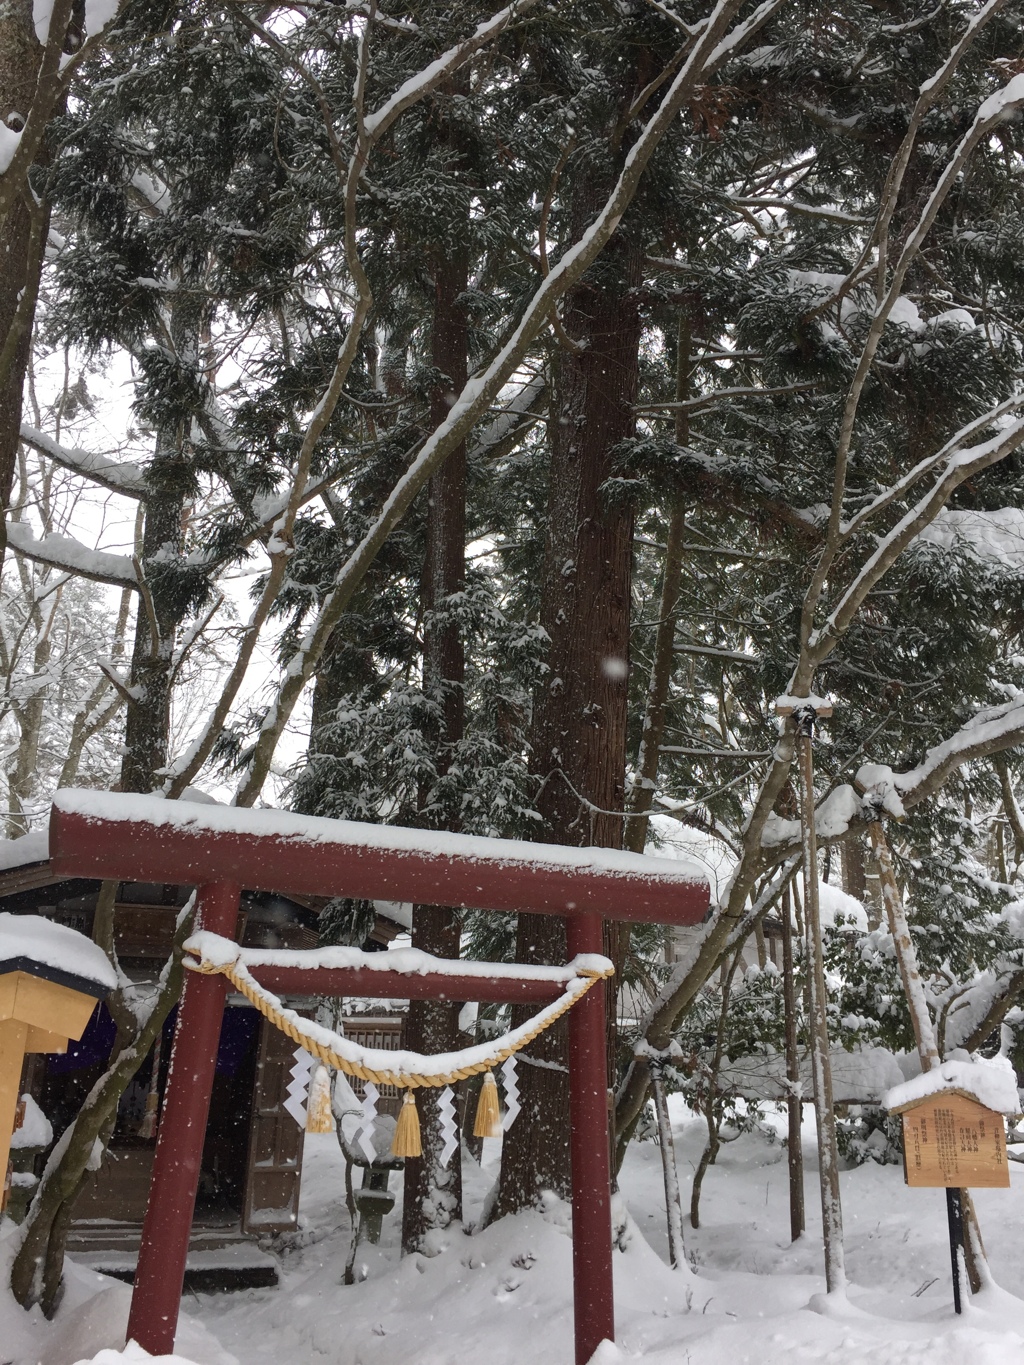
(511, 420)
(430, 77)
(955, 443)
(832, 215)
(960, 466)
(71, 556)
(832, 819)
(990, 731)
(127, 479)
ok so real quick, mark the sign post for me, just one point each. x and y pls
(955, 1219)
(952, 1141)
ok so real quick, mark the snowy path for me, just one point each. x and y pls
(504, 1297)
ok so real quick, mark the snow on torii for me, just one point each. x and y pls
(223, 849)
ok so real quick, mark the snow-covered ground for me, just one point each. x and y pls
(504, 1296)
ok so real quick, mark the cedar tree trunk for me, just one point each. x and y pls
(433, 1192)
(578, 738)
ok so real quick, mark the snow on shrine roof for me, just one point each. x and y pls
(29, 943)
(30, 848)
(992, 1083)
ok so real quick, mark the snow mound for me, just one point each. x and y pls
(36, 1129)
(861, 1076)
(132, 1352)
(995, 537)
(992, 1083)
(30, 848)
(837, 905)
(54, 945)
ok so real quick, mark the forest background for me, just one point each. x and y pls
(475, 419)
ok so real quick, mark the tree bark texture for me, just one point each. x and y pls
(578, 737)
(433, 1192)
(164, 602)
(821, 1060)
(641, 793)
(794, 1099)
(22, 239)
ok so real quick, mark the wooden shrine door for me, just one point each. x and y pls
(274, 1167)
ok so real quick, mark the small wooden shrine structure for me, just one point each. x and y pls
(51, 979)
(219, 849)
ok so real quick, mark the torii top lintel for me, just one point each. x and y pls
(145, 838)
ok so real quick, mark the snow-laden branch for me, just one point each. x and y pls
(831, 215)
(989, 115)
(483, 390)
(127, 479)
(425, 82)
(714, 396)
(878, 790)
(960, 466)
(71, 556)
(991, 731)
(913, 476)
(514, 418)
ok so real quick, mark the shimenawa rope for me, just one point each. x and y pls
(290, 1024)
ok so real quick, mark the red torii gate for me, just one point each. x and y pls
(221, 849)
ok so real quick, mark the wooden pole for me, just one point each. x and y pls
(593, 1302)
(903, 945)
(153, 1318)
(927, 1047)
(794, 1097)
(673, 1204)
(955, 1218)
(821, 1067)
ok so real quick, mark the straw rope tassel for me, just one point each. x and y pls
(406, 1141)
(318, 1106)
(488, 1115)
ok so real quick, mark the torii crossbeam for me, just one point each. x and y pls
(222, 849)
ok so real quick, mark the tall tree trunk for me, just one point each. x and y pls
(22, 239)
(641, 793)
(794, 1089)
(433, 1192)
(37, 1271)
(821, 1059)
(578, 738)
(21, 776)
(162, 603)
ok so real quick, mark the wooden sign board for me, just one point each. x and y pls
(952, 1141)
